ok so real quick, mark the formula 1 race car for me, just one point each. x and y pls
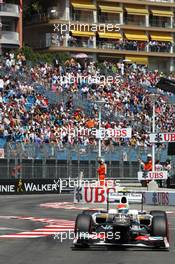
(122, 227)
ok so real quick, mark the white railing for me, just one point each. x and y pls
(9, 37)
(9, 9)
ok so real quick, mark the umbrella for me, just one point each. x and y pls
(81, 56)
(126, 60)
(166, 85)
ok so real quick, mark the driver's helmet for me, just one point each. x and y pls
(122, 208)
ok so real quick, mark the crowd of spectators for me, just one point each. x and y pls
(79, 42)
(123, 44)
(30, 117)
(153, 46)
(159, 46)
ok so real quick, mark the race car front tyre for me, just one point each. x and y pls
(83, 226)
(83, 223)
(159, 226)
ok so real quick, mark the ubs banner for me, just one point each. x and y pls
(101, 195)
(35, 186)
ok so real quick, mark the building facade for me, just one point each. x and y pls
(139, 31)
(10, 24)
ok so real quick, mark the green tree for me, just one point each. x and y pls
(35, 57)
(36, 6)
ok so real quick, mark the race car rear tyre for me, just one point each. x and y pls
(159, 226)
(83, 223)
(158, 213)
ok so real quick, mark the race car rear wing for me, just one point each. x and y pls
(125, 198)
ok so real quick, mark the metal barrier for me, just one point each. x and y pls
(77, 152)
(55, 169)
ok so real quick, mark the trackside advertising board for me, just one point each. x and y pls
(115, 133)
(156, 175)
(159, 198)
(162, 137)
(35, 186)
(87, 195)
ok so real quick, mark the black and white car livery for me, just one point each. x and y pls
(122, 227)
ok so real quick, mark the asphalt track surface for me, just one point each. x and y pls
(15, 218)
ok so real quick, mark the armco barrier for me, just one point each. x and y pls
(99, 195)
(59, 185)
(159, 198)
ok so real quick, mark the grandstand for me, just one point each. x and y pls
(40, 104)
(132, 108)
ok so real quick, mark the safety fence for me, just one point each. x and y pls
(55, 169)
(112, 152)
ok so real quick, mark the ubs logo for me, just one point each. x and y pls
(158, 138)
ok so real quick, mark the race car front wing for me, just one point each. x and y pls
(140, 241)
